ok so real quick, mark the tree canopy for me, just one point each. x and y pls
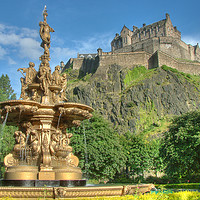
(181, 146)
(142, 154)
(6, 91)
(98, 147)
(6, 132)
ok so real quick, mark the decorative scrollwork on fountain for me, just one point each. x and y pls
(76, 111)
(35, 143)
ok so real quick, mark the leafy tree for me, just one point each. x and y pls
(6, 91)
(142, 154)
(98, 148)
(157, 160)
(181, 146)
(6, 143)
(6, 132)
(137, 151)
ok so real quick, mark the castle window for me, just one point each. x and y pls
(125, 40)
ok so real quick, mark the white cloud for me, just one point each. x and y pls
(2, 53)
(9, 39)
(193, 40)
(29, 48)
(90, 45)
(11, 61)
(20, 42)
(24, 43)
(59, 53)
(26, 32)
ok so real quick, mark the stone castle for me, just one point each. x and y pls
(152, 46)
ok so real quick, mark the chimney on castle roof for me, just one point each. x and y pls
(135, 28)
(167, 16)
(116, 35)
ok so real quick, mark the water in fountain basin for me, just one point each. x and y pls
(86, 152)
(4, 123)
(59, 120)
(20, 112)
(26, 145)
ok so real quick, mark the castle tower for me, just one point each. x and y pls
(99, 52)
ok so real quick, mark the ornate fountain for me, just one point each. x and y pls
(42, 154)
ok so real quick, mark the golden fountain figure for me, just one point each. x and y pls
(42, 152)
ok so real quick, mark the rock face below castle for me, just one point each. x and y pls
(151, 46)
(150, 96)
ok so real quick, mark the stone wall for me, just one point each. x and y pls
(77, 63)
(128, 59)
(89, 66)
(169, 45)
(183, 66)
(101, 63)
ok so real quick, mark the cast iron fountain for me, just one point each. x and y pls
(42, 155)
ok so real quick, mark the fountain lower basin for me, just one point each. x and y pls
(73, 192)
(42, 154)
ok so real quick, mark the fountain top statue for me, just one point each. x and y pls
(45, 30)
(42, 86)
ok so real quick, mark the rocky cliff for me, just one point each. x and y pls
(136, 98)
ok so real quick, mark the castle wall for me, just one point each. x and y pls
(153, 61)
(197, 52)
(78, 63)
(169, 45)
(128, 59)
(89, 66)
(183, 66)
(101, 63)
(125, 59)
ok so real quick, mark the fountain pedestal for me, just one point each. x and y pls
(46, 173)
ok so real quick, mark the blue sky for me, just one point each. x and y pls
(81, 26)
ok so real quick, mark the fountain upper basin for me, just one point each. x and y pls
(23, 110)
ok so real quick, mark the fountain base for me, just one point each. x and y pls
(21, 172)
(43, 183)
(30, 176)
